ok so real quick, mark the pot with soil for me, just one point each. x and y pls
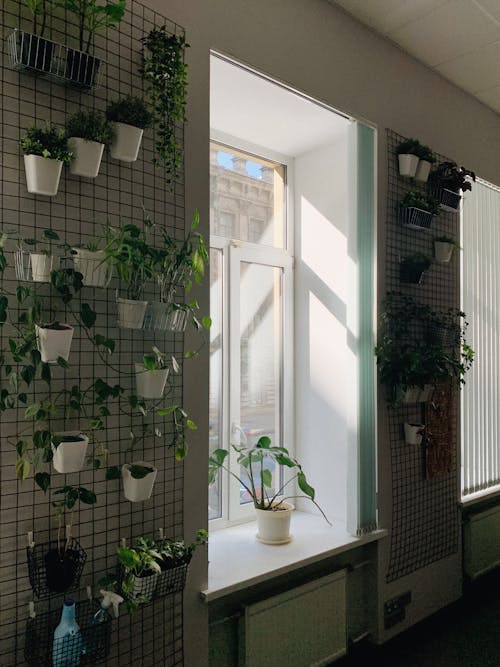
(273, 524)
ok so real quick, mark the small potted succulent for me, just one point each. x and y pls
(45, 151)
(270, 501)
(151, 376)
(417, 209)
(54, 341)
(88, 133)
(138, 480)
(407, 152)
(448, 180)
(414, 433)
(413, 267)
(444, 246)
(130, 117)
(68, 451)
(426, 159)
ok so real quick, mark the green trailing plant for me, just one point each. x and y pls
(69, 496)
(154, 361)
(425, 153)
(130, 258)
(49, 142)
(93, 17)
(450, 176)
(91, 126)
(420, 200)
(38, 9)
(408, 147)
(258, 479)
(165, 74)
(129, 110)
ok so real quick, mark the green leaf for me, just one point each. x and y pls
(62, 362)
(86, 496)
(32, 410)
(46, 373)
(43, 480)
(51, 235)
(149, 362)
(113, 473)
(207, 322)
(139, 472)
(22, 469)
(264, 442)
(266, 477)
(304, 486)
(4, 303)
(21, 448)
(191, 425)
(88, 315)
(163, 412)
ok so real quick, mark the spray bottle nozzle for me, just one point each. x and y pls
(109, 598)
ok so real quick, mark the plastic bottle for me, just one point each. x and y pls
(108, 598)
(67, 646)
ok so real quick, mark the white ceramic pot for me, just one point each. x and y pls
(126, 143)
(137, 490)
(70, 456)
(274, 526)
(412, 395)
(145, 587)
(92, 266)
(408, 164)
(425, 394)
(42, 174)
(41, 266)
(54, 343)
(413, 433)
(131, 313)
(164, 317)
(443, 251)
(423, 170)
(150, 384)
(88, 156)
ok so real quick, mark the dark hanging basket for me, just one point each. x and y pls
(95, 638)
(416, 218)
(172, 580)
(50, 573)
(82, 69)
(449, 200)
(410, 274)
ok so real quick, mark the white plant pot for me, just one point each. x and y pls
(41, 266)
(92, 266)
(150, 384)
(54, 343)
(126, 143)
(70, 456)
(42, 174)
(426, 393)
(423, 170)
(408, 164)
(413, 433)
(137, 490)
(164, 317)
(443, 251)
(274, 526)
(131, 313)
(145, 586)
(88, 156)
(412, 395)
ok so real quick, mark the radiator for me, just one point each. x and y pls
(482, 542)
(303, 627)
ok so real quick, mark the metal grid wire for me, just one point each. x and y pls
(154, 634)
(424, 510)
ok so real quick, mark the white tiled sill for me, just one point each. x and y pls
(237, 560)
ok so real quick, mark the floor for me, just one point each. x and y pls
(466, 634)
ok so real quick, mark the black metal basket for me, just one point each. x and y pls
(171, 581)
(90, 648)
(48, 574)
(158, 585)
(449, 200)
(415, 217)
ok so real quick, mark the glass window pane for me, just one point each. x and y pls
(260, 356)
(215, 405)
(246, 197)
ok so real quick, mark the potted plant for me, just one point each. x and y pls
(31, 49)
(165, 74)
(417, 209)
(90, 261)
(45, 151)
(130, 117)
(54, 341)
(407, 152)
(139, 569)
(444, 246)
(40, 260)
(82, 68)
(138, 480)
(413, 267)
(448, 180)
(68, 451)
(257, 464)
(175, 556)
(426, 159)
(151, 376)
(414, 433)
(88, 133)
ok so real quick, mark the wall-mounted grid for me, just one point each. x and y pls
(425, 519)
(154, 635)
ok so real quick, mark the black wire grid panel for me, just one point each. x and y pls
(425, 522)
(154, 635)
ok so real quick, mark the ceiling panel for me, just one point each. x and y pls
(388, 15)
(474, 71)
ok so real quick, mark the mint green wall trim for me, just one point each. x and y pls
(367, 518)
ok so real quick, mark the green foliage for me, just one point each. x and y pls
(130, 110)
(90, 125)
(93, 17)
(154, 361)
(38, 8)
(139, 472)
(130, 258)
(72, 494)
(49, 142)
(421, 200)
(452, 177)
(414, 147)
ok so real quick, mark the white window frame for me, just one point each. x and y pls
(234, 252)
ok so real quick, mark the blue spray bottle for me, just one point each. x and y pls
(67, 646)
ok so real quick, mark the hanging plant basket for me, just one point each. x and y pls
(165, 317)
(408, 164)
(449, 200)
(48, 573)
(88, 156)
(134, 489)
(131, 313)
(127, 141)
(150, 384)
(416, 218)
(96, 638)
(82, 69)
(54, 343)
(423, 171)
(69, 454)
(413, 433)
(172, 580)
(42, 175)
(443, 251)
(33, 266)
(92, 266)
(31, 52)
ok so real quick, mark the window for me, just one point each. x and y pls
(481, 303)
(251, 333)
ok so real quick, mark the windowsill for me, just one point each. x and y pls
(237, 560)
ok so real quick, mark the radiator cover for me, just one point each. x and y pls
(482, 542)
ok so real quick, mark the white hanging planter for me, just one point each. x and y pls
(413, 433)
(274, 525)
(69, 454)
(88, 156)
(412, 394)
(92, 266)
(426, 393)
(126, 143)
(54, 343)
(131, 313)
(41, 266)
(150, 384)
(423, 171)
(42, 174)
(443, 251)
(408, 164)
(137, 490)
(165, 317)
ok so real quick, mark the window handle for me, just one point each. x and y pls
(238, 435)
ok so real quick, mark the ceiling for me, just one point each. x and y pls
(459, 39)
